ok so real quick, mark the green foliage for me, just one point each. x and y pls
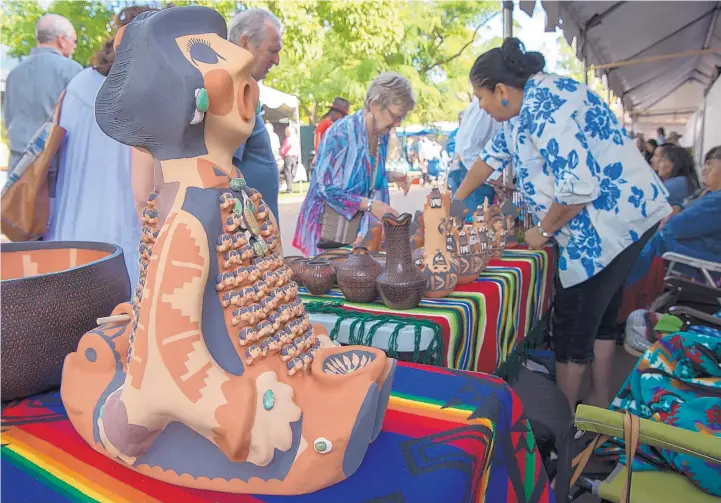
(570, 66)
(331, 48)
(336, 48)
(92, 20)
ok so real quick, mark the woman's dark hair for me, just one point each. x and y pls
(682, 164)
(148, 99)
(713, 154)
(652, 142)
(509, 64)
(102, 60)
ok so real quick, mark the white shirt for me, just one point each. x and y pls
(566, 146)
(274, 140)
(477, 128)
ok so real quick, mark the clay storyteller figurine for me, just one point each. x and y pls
(218, 380)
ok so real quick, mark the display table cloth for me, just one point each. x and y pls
(481, 323)
(448, 437)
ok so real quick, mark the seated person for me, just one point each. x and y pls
(694, 231)
(676, 169)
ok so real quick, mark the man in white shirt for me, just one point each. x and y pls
(290, 152)
(274, 143)
(477, 128)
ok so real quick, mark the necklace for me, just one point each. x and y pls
(244, 209)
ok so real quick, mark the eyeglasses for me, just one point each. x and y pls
(396, 118)
(73, 41)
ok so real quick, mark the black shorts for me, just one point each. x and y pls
(589, 311)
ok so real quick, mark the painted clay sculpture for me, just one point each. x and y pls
(440, 266)
(213, 377)
(498, 228)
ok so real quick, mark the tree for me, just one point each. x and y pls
(92, 21)
(330, 48)
(570, 66)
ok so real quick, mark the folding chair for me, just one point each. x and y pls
(647, 486)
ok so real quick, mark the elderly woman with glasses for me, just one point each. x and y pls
(350, 179)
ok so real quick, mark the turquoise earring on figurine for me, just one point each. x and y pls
(202, 104)
(504, 102)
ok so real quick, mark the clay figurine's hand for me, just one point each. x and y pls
(534, 239)
(379, 209)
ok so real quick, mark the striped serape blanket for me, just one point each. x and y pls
(448, 437)
(483, 322)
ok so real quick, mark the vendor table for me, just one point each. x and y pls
(481, 323)
(448, 437)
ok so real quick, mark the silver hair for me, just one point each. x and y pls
(390, 88)
(50, 26)
(251, 23)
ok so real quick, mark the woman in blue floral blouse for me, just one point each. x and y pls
(589, 188)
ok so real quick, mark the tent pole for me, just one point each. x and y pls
(507, 19)
(662, 57)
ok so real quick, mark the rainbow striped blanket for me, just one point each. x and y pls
(448, 437)
(483, 322)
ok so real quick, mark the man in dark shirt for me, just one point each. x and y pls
(259, 32)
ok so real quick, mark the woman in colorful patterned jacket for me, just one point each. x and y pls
(350, 173)
(588, 187)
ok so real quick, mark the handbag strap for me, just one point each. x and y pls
(58, 107)
(374, 171)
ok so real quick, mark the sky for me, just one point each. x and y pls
(531, 31)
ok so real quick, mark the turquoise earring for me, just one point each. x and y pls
(202, 103)
(504, 102)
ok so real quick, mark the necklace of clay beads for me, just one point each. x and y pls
(243, 207)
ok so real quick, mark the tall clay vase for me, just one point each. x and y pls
(357, 276)
(401, 284)
(318, 276)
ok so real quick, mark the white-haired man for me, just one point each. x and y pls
(259, 32)
(33, 87)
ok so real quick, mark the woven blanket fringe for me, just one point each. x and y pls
(508, 370)
(364, 326)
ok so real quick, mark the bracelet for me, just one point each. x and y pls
(369, 205)
(544, 233)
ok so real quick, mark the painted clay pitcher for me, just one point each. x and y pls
(213, 377)
(357, 276)
(401, 284)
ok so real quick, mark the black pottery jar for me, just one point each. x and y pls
(401, 284)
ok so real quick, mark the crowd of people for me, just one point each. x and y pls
(608, 203)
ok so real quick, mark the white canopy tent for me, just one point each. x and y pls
(660, 58)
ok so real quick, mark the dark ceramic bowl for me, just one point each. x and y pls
(297, 265)
(318, 276)
(52, 293)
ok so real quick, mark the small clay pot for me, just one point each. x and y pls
(357, 276)
(318, 276)
(297, 265)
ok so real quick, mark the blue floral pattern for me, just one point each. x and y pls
(567, 147)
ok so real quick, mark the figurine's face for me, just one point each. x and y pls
(232, 92)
